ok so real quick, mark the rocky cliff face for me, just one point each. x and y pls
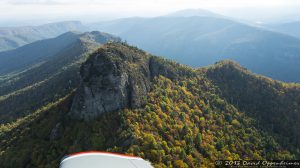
(113, 78)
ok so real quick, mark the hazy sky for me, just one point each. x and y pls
(93, 10)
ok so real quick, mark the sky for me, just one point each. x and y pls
(43, 11)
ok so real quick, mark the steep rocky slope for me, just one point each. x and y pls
(112, 80)
(117, 79)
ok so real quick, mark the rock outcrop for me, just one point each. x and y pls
(113, 78)
(118, 76)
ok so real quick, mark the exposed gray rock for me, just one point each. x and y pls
(112, 79)
(55, 132)
(118, 76)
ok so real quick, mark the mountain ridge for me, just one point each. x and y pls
(56, 71)
(14, 37)
(290, 28)
(263, 95)
(200, 41)
(187, 120)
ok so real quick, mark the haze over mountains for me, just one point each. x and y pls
(13, 37)
(194, 12)
(192, 37)
(202, 40)
(291, 28)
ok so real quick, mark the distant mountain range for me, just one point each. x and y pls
(290, 28)
(194, 37)
(126, 100)
(194, 12)
(202, 40)
(13, 37)
(43, 71)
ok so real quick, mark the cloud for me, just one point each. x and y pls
(34, 2)
(61, 2)
(186, 3)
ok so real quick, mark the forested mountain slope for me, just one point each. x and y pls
(43, 71)
(14, 37)
(199, 41)
(275, 105)
(131, 102)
